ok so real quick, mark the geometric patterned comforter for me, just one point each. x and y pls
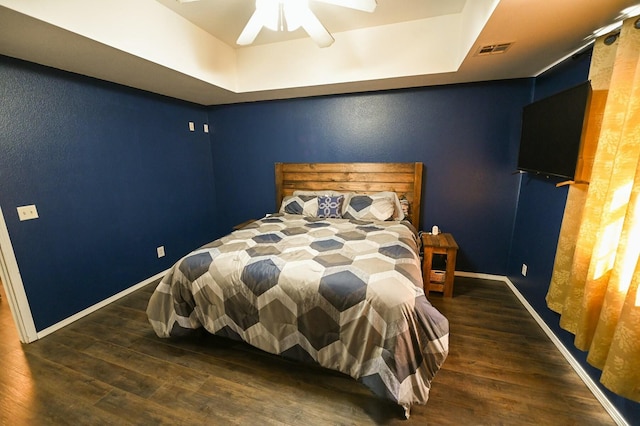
(345, 294)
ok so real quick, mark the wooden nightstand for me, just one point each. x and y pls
(439, 244)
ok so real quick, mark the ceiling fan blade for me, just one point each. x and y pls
(363, 5)
(315, 29)
(251, 30)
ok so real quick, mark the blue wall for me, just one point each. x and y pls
(114, 173)
(466, 136)
(538, 220)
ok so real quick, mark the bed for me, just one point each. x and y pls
(331, 277)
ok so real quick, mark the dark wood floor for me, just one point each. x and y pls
(109, 368)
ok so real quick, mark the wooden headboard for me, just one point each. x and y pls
(402, 178)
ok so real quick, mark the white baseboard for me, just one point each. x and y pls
(480, 276)
(99, 305)
(597, 392)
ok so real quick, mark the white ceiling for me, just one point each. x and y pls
(188, 51)
(225, 19)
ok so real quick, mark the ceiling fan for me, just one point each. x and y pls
(289, 15)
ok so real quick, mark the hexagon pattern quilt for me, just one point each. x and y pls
(343, 293)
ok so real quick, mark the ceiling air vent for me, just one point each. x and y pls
(493, 49)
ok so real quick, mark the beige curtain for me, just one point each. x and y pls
(595, 279)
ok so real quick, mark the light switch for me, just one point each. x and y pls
(206, 128)
(27, 212)
(192, 126)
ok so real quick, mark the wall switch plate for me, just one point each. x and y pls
(160, 251)
(524, 269)
(27, 212)
(192, 126)
(206, 128)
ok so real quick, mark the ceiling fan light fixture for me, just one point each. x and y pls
(289, 15)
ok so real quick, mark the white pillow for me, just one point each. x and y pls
(370, 207)
(398, 213)
(306, 205)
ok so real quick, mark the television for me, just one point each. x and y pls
(552, 133)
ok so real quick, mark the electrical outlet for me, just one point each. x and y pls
(27, 212)
(160, 251)
(192, 126)
(524, 269)
(206, 128)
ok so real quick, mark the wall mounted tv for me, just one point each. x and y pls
(552, 132)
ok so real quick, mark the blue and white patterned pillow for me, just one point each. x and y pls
(330, 206)
(306, 205)
(370, 207)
